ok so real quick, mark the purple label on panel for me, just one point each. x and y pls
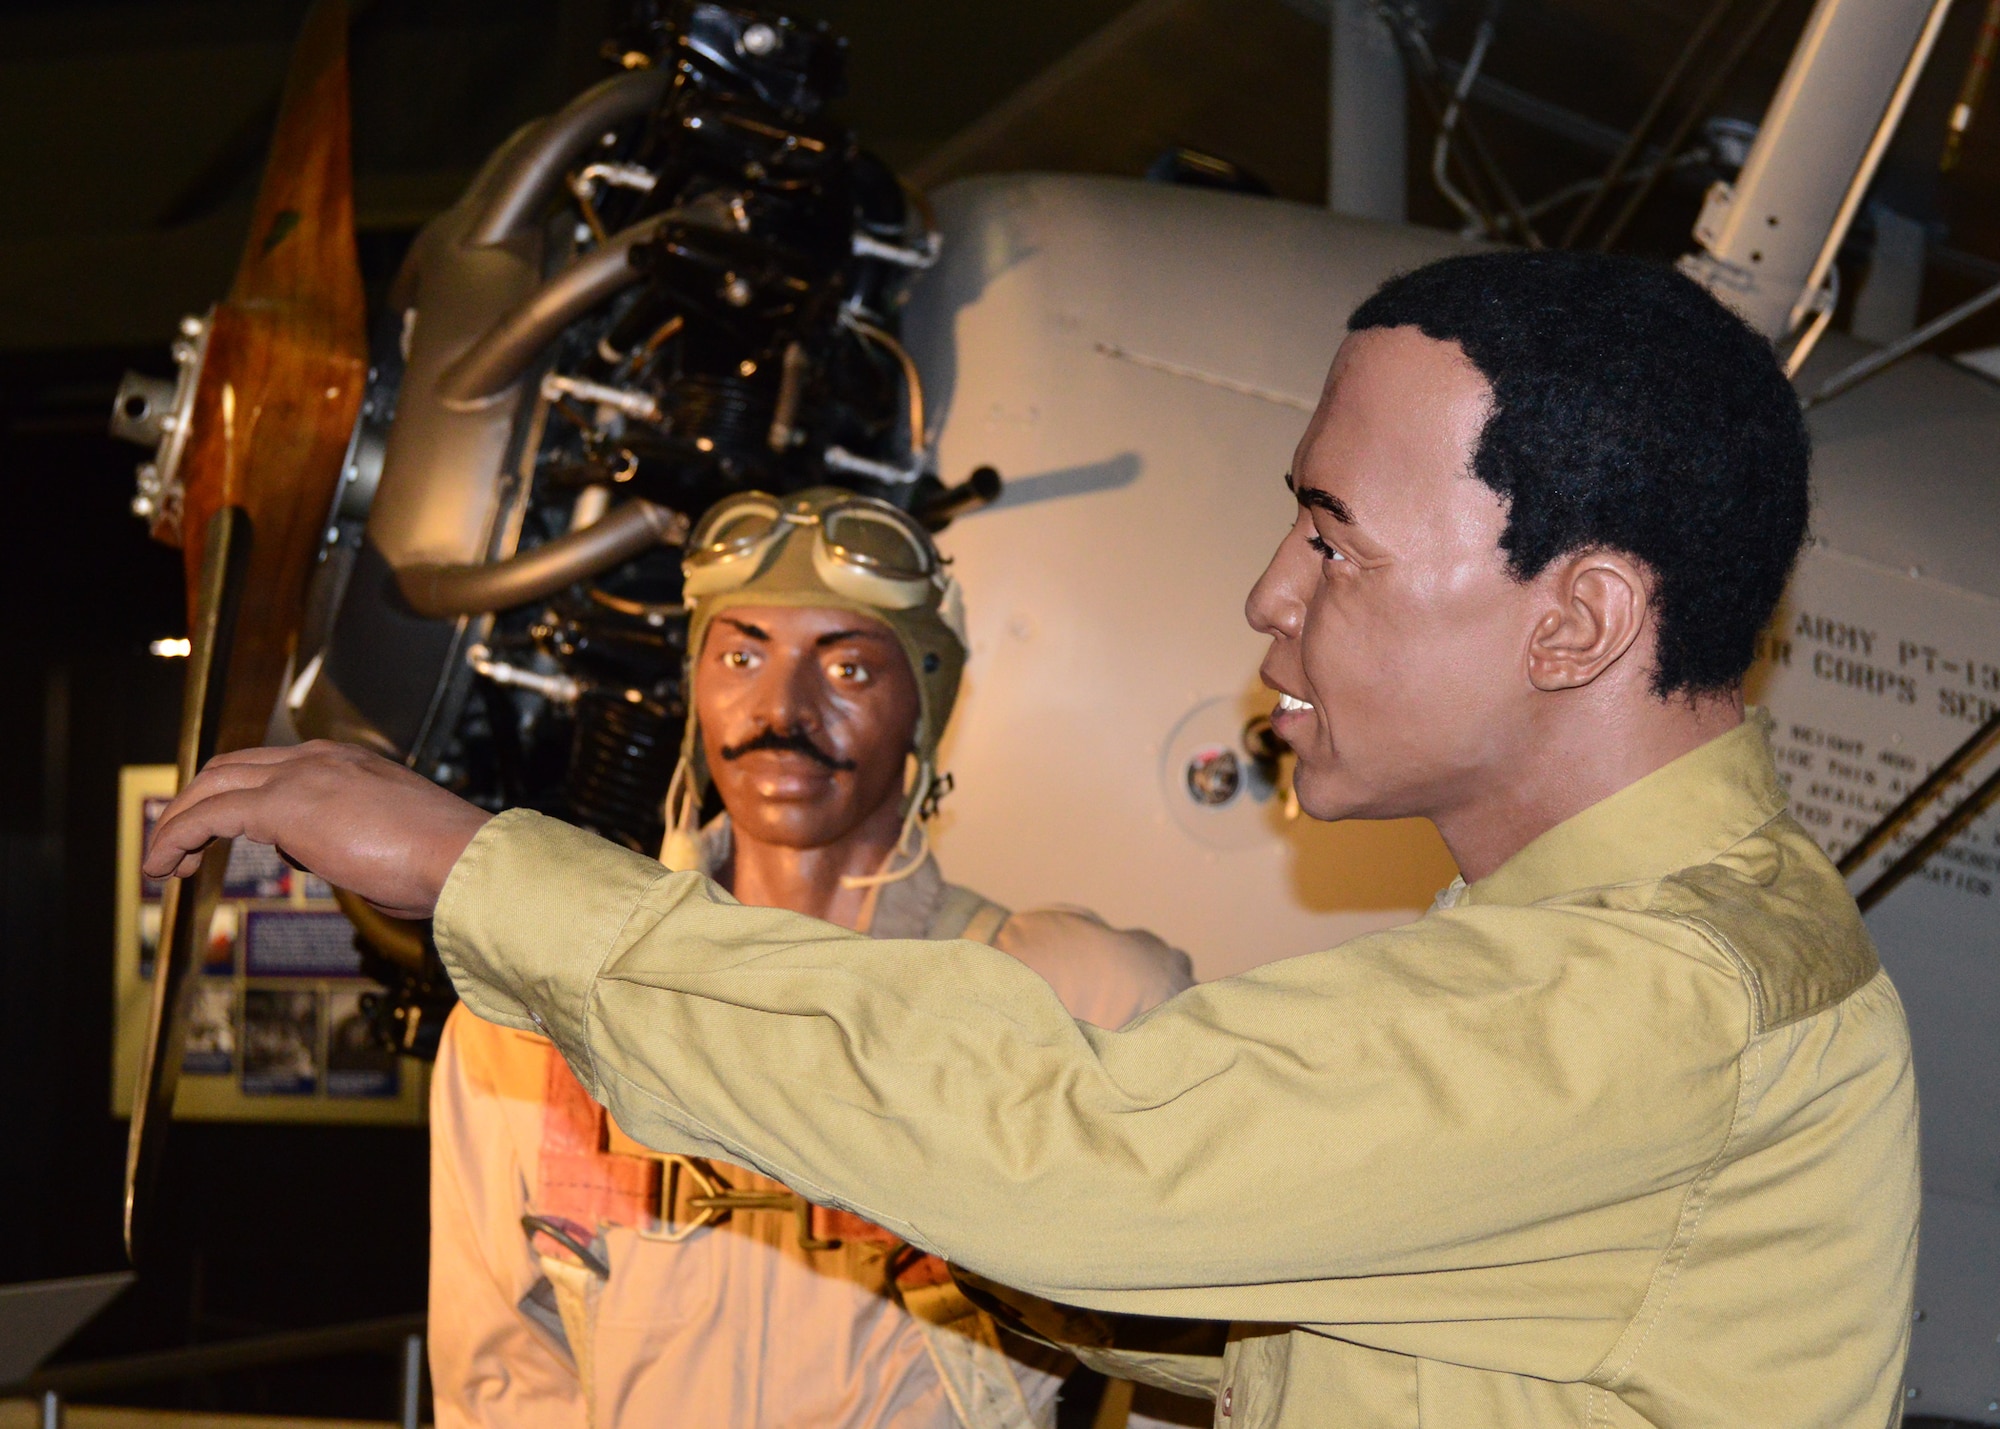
(285, 942)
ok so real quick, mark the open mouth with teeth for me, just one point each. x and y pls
(1287, 704)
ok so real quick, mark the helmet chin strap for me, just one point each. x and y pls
(913, 846)
(681, 852)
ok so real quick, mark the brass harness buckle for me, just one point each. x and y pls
(715, 1200)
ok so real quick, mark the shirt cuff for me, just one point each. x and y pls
(530, 913)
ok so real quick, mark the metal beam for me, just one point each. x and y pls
(167, 1365)
(1367, 116)
(1768, 240)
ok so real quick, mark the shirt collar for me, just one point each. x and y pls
(1682, 814)
(908, 907)
(904, 909)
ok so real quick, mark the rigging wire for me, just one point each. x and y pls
(1700, 154)
(1697, 108)
(1516, 215)
(1423, 69)
(1902, 347)
(1476, 166)
(1636, 140)
(1441, 150)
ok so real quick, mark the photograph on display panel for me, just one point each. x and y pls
(277, 1024)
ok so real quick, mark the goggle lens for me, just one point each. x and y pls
(732, 528)
(877, 542)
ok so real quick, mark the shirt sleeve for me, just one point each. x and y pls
(1487, 1114)
(1105, 976)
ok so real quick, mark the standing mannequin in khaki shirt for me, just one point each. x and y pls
(1622, 1133)
(573, 1281)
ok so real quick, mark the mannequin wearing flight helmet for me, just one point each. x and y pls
(579, 1280)
(846, 556)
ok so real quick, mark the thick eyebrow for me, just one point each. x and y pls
(755, 632)
(834, 637)
(1321, 500)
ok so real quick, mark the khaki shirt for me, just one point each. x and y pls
(741, 1323)
(1623, 1134)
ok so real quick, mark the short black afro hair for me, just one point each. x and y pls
(1631, 412)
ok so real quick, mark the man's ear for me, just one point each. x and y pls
(1597, 609)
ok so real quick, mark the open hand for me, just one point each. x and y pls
(356, 819)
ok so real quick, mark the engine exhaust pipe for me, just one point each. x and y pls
(445, 591)
(535, 169)
(495, 363)
(445, 506)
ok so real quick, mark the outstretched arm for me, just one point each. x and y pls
(1377, 1136)
(1359, 1134)
(357, 820)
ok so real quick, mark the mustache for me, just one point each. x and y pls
(788, 741)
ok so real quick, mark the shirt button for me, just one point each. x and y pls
(1228, 1394)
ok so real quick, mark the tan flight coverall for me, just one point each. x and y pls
(1623, 1134)
(741, 1323)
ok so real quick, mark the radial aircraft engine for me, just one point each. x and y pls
(685, 283)
(689, 282)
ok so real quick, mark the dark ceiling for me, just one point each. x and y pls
(131, 134)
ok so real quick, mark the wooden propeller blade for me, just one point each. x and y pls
(282, 377)
(279, 388)
(188, 904)
(301, 245)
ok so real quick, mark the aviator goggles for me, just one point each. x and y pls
(863, 549)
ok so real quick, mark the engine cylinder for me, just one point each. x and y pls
(622, 756)
(733, 414)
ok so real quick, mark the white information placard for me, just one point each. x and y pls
(1873, 676)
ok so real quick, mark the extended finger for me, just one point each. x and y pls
(185, 868)
(217, 778)
(219, 814)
